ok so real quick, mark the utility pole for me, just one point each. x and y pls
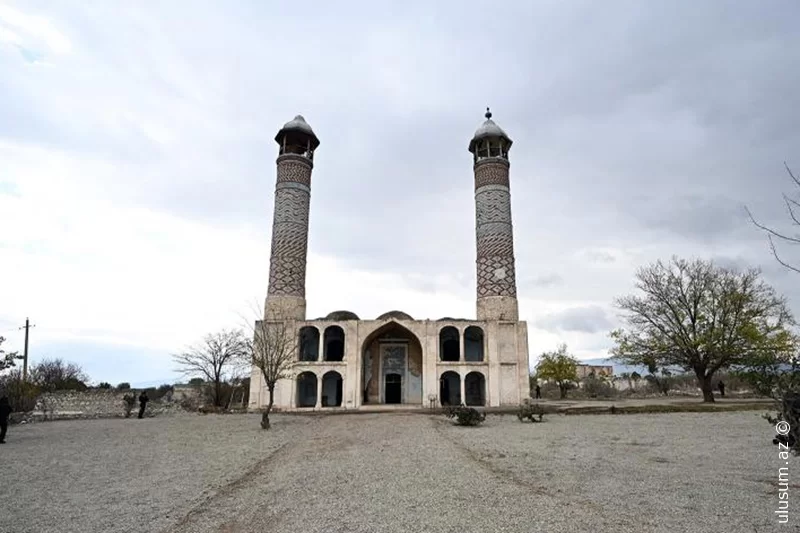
(26, 327)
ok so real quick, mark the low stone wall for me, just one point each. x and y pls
(61, 405)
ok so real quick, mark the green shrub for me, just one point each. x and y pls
(124, 386)
(104, 385)
(465, 416)
(595, 387)
(532, 412)
(21, 395)
(788, 412)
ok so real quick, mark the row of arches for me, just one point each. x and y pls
(450, 389)
(328, 391)
(450, 344)
(333, 339)
(309, 388)
(332, 344)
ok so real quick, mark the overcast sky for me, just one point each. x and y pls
(137, 160)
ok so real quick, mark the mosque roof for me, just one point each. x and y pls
(342, 315)
(399, 315)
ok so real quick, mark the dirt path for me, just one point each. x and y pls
(398, 474)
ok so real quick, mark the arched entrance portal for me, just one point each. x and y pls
(391, 369)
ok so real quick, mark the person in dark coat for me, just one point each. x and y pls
(721, 387)
(143, 399)
(5, 411)
(538, 392)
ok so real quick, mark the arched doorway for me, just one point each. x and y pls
(306, 389)
(391, 369)
(332, 389)
(450, 388)
(475, 389)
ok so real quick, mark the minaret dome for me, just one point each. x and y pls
(297, 137)
(489, 140)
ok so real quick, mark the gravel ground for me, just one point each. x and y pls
(691, 472)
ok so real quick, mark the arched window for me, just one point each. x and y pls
(334, 344)
(473, 344)
(475, 389)
(449, 347)
(309, 344)
(306, 389)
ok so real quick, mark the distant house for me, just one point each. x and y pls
(584, 371)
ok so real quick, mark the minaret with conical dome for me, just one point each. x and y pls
(497, 286)
(286, 295)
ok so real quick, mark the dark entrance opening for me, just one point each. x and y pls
(450, 389)
(475, 389)
(332, 389)
(306, 390)
(338, 393)
(393, 388)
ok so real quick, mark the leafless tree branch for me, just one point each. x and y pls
(214, 358)
(273, 349)
(790, 205)
(777, 257)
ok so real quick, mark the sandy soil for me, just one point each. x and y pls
(688, 472)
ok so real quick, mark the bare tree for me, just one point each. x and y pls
(791, 205)
(273, 350)
(214, 358)
(56, 374)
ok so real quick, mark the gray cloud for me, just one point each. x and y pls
(640, 130)
(591, 319)
(543, 280)
(599, 256)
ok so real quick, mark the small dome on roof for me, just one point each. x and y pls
(488, 129)
(298, 125)
(398, 315)
(342, 315)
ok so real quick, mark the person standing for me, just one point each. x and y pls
(143, 399)
(538, 392)
(5, 412)
(721, 387)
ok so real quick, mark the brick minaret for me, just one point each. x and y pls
(497, 286)
(286, 295)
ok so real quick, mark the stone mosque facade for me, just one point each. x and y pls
(346, 362)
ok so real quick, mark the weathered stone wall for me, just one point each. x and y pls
(62, 405)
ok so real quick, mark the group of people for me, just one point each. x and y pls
(5, 413)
